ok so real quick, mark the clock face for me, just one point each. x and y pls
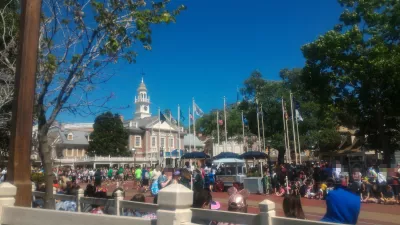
(145, 108)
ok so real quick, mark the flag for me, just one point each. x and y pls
(245, 121)
(220, 122)
(197, 110)
(259, 112)
(182, 117)
(286, 113)
(298, 116)
(173, 120)
(162, 117)
(191, 116)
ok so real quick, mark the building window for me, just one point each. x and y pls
(70, 137)
(153, 142)
(171, 142)
(138, 141)
(162, 143)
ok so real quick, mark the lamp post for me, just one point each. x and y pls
(134, 156)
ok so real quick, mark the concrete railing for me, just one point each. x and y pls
(173, 208)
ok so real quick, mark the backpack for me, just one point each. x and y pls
(147, 175)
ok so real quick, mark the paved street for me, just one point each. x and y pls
(314, 209)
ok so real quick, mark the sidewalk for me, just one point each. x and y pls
(316, 213)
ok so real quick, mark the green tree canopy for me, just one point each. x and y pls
(354, 67)
(109, 136)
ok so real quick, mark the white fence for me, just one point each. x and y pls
(173, 208)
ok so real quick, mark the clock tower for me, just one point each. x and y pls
(142, 102)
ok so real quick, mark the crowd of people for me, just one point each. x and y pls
(315, 181)
(312, 181)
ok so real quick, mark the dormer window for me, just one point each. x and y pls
(70, 137)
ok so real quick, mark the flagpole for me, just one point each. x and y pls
(159, 136)
(179, 128)
(298, 136)
(190, 144)
(262, 122)
(289, 154)
(284, 129)
(218, 130)
(244, 141)
(293, 122)
(226, 132)
(258, 127)
(194, 126)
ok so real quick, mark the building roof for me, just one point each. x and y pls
(79, 137)
(188, 140)
(142, 87)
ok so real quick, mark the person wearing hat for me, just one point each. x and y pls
(237, 202)
(176, 177)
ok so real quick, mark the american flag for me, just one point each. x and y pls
(191, 116)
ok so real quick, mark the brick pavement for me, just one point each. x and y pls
(371, 214)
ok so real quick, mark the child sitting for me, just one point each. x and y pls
(322, 192)
(388, 196)
(309, 192)
(281, 191)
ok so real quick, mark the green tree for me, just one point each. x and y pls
(8, 52)
(355, 68)
(108, 137)
(78, 41)
(320, 117)
(207, 124)
(319, 125)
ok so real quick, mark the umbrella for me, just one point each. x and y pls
(175, 152)
(195, 155)
(225, 155)
(253, 155)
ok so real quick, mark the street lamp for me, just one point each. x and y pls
(134, 156)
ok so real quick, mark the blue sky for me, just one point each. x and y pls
(213, 48)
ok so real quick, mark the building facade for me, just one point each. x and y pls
(151, 141)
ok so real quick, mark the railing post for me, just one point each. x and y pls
(79, 195)
(7, 196)
(267, 211)
(174, 203)
(118, 197)
(33, 190)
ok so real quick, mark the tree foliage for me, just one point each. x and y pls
(354, 67)
(8, 52)
(108, 137)
(318, 128)
(78, 40)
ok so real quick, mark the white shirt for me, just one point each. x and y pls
(156, 175)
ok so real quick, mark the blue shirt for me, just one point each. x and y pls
(342, 207)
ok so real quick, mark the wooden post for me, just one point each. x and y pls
(19, 165)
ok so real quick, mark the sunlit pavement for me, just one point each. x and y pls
(314, 209)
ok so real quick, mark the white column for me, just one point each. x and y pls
(79, 195)
(267, 211)
(174, 203)
(118, 197)
(7, 196)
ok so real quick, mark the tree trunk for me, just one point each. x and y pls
(49, 201)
